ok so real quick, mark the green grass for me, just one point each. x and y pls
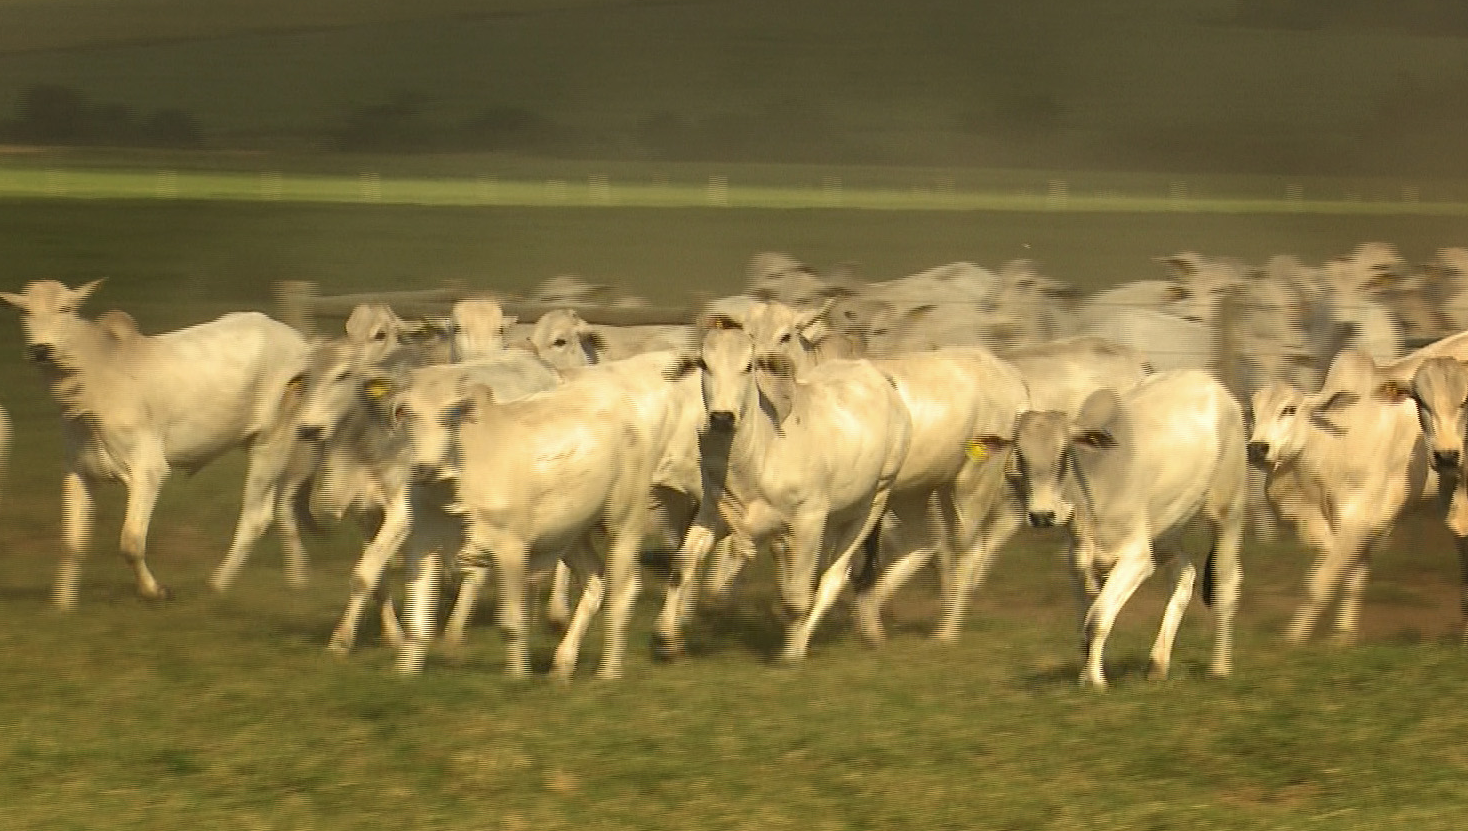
(226, 712)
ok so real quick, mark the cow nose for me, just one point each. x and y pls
(1258, 452)
(308, 432)
(1445, 459)
(40, 352)
(422, 472)
(1042, 519)
(721, 420)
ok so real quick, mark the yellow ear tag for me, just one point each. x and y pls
(976, 450)
(376, 389)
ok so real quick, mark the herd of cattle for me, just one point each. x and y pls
(853, 432)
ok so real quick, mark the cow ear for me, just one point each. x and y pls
(377, 388)
(1392, 391)
(479, 399)
(980, 448)
(812, 325)
(1338, 400)
(81, 293)
(16, 300)
(720, 321)
(597, 340)
(1177, 291)
(1095, 439)
(681, 367)
(118, 325)
(775, 377)
(1099, 410)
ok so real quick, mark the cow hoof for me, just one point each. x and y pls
(561, 676)
(1156, 671)
(339, 650)
(163, 594)
(666, 648)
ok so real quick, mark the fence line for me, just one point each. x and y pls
(719, 190)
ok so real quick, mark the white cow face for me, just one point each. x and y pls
(1440, 389)
(429, 411)
(1282, 421)
(330, 391)
(775, 328)
(565, 341)
(728, 374)
(479, 328)
(49, 316)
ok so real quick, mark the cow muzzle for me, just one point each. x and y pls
(424, 473)
(1446, 460)
(722, 421)
(41, 353)
(310, 432)
(1258, 452)
(1042, 519)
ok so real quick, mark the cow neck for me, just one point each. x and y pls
(755, 440)
(83, 364)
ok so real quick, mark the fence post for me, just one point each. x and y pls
(294, 301)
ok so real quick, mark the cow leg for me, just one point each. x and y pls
(563, 665)
(367, 574)
(78, 510)
(1321, 585)
(1457, 519)
(558, 608)
(1133, 566)
(145, 481)
(511, 558)
(667, 637)
(455, 635)
(257, 510)
(424, 572)
(294, 552)
(1182, 592)
(833, 580)
(623, 581)
(1348, 617)
(909, 557)
(1228, 581)
(971, 566)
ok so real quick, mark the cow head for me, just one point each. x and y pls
(1048, 447)
(1440, 390)
(1283, 418)
(565, 341)
(779, 329)
(726, 359)
(479, 327)
(49, 316)
(429, 410)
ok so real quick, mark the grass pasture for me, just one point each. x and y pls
(226, 712)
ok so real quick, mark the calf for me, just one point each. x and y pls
(1131, 469)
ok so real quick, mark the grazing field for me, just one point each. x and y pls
(226, 712)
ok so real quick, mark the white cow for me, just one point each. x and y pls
(1344, 463)
(357, 414)
(479, 326)
(134, 407)
(563, 339)
(535, 479)
(1132, 469)
(810, 461)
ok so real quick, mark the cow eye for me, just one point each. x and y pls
(380, 336)
(749, 367)
(1287, 412)
(785, 338)
(558, 342)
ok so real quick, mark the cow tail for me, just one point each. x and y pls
(1209, 577)
(865, 575)
(300, 507)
